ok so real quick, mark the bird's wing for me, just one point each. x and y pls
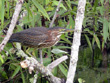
(29, 37)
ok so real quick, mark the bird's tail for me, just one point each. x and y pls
(13, 38)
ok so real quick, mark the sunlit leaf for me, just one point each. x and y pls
(61, 5)
(47, 2)
(58, 51)
(1, 59)
(80, 80)
(69, 4)
(2, 10)
(102, 2)
(49, 8)
(41, 9)
(71, 23)
(97, 40)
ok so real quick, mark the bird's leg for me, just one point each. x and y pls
(41, 58)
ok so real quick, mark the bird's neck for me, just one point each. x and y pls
(55, 35)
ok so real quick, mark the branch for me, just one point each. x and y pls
(32, 64)
(55, 14)
(56, 62)
(12, 24)
(76, 41)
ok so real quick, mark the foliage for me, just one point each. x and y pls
(95, 37)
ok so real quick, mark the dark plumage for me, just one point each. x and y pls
(38, 37)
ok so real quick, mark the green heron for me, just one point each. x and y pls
(39, 37)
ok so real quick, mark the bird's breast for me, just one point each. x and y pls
(50, 42)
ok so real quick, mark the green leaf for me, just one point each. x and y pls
(102, 10)
(58, 51)
(41, 9)
(103, 44)
(16, 71)
(47, 2)
(105, 29)
(22, 76)
(2, 10)
(1, 59)
(47, 60)
(49, 8)
(8, 9)
(89, 43)
(93, 41)
(102, 2)
(63, 69)
(80, 80)
(95, 5)
(97, 40)
(71, 23)
(69, 4)
(65, 39)
(109, 26)
(3, 73)
(28, 10)
(55, 71)
(61, 5)
(61, 47)
(31, 80)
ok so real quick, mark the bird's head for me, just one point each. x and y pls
(61, 30)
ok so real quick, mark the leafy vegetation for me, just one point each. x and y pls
(94, 55)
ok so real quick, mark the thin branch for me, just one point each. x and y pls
(12, 24)
(20, 52)
(54, 17)
(56, 62)
(76, 41)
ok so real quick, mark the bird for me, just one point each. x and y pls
(39, 37)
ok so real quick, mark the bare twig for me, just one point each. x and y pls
(13, 23)
(54, 17)
(76, 41)
(20, 52)
(56, 62)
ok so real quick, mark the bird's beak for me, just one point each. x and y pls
(68, 30)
